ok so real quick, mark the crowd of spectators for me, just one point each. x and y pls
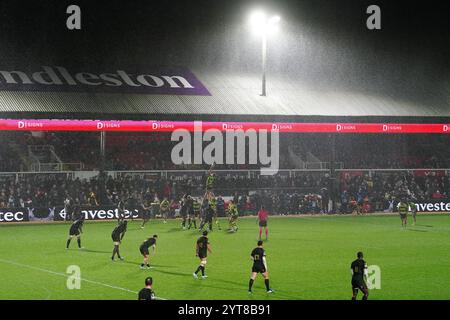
(284, 193)
(281, 194)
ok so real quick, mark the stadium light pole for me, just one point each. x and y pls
(263, 26)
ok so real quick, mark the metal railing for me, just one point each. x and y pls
(182, 173)
(56, 166)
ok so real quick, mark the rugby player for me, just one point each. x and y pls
(208, 215)
(147, 293)
(213, 205)
(258, 256)
(359, 276)
(68, 207)
(233, 213)
(190, 211)
(76, 229)
(413, 208)
(210, 184)
(196, 209)
(150, 242)
(201, 251)
(117, 236)
(146, 206)
(121, 209)
(164, 207)
(184, 210)
(403, 211)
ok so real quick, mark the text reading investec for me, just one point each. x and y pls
(56, 78)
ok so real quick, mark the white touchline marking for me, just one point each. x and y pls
(65, 275)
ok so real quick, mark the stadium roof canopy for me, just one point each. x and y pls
(231, 95)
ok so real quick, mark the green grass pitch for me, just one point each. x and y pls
(308, 258)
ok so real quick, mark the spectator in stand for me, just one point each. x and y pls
(437, 195)
(344, 202)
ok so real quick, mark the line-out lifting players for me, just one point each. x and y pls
(210, 184)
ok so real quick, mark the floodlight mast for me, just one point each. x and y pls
(264, 64)
(263, 25)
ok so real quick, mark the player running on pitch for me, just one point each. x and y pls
(76, 229)
(359, 276)
(259, 266)
(403, 211)
(150, 242)
(263, 215)
(233, 213)
(201, 250)
(117, 236)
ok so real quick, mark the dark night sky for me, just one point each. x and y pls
(111, 29)
(326, 42)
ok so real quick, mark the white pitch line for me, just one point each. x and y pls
(65, 276)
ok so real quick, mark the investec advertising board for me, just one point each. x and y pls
(144, 80)
(58, 214)
(8, 215)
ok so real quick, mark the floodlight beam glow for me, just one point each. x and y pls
(261, 24)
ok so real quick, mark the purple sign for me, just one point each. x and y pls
(171, 81)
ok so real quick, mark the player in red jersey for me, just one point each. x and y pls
(262, 221)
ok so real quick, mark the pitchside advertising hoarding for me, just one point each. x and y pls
(10, 215)
(191, 126)
(58, 213)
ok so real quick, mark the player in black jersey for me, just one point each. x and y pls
(150, 242)
(76, 229)
(191, 213)
(147, 293)
(359, 275)
(204, 205)
(186, 204)
(117, 236)
(259, 266)
(121, 210)
(196, 209)
(146, 208)
(201, 250)
(208, 215)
